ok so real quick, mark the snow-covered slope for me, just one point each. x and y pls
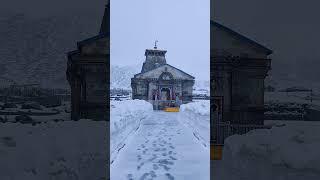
(202, 85)
(120, 76)
(196, 116)
(33, 49)
(125, 119)
(285, 80)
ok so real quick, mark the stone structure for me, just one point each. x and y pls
(160, 83)
(238, 69)
(88, 75)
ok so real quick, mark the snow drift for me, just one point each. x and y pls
(196, 116)
(68, 150)
(286, 153)
(125, 119)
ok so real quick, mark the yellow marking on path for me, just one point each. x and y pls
(171, 109)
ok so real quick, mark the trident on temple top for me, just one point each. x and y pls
(155, 44)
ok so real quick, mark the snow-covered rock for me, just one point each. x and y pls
(281, 153)
(196, 116)
(125, 119)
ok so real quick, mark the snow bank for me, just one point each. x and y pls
(69, 150)
(196, 116)
(125, 119)
(287, 153)
(199, 107)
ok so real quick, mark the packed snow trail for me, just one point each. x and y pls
(162, 148)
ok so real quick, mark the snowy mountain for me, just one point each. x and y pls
(202, 85)
(33, 49)
(120, 76)
(282, 81)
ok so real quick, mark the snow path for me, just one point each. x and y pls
(162, 148)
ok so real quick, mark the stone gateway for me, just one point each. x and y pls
(160, 83)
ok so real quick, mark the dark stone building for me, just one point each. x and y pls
(238, 69)
(88, 75)
(160, 83)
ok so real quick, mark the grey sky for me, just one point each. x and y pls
(51, 7)
(180, 26)
(289, 27)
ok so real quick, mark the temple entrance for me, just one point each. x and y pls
(165, 94)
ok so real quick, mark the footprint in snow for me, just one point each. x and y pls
(165, 167)
(173, 158)
(140, 165)
(155, 167)
(147, 175)
(169, 176)
(165, 162)
(129, 177)
(154, 156)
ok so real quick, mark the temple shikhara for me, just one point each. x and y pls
(160, 83)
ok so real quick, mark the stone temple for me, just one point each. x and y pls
(88, 74)
(160, 83)
(238, 68)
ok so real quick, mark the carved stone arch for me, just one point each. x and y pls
(166, 76)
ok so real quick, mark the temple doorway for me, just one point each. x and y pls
(165, 94)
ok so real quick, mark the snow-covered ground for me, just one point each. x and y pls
(162, 148)
(297, 97)
(290, 152)
(44, 115)
(68, 150)
(125, 119)
(196, 116)
(292, 106)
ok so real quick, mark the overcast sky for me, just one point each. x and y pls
(181, 27)
(51, 7)
(289, 27)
